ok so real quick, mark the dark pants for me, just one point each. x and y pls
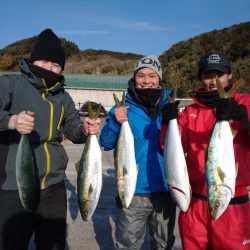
(158, 212)
(48, 222)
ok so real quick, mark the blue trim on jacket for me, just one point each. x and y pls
(149, 156)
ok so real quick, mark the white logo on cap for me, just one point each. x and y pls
(214, 58)
(152, 62)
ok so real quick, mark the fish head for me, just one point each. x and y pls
(84, 213)
(125, 200)
(214, 207)
(219, 201)
(181, 198)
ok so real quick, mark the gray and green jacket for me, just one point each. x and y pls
(55, 117)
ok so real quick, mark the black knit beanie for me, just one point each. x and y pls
(48, 47)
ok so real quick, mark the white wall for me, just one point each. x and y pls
(103, 96)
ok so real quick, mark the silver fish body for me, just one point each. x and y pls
(125, 165)
(176, 168)
(26, 175)
(220, 169)
(89, 177)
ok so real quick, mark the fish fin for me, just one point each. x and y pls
(220, 173)
(124, 171)
(90, 189)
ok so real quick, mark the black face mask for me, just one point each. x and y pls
(209, 98)
(149, 96)
(49, 77)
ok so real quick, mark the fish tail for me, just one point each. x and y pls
(123, 99)
(118, 102)
(222, 92)
(90, 110)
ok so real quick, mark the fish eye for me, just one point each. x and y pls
(217, 205)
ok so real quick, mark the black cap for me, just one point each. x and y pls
(215, 60)
(48, 47)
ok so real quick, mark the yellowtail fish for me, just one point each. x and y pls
(125, 163)
(175, 166)
(26, 175)
(89, 173)
(221, 170)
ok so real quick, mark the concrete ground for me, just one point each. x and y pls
(98, 233)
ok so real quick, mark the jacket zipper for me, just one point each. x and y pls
(45, 145)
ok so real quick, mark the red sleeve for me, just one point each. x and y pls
(244, 99)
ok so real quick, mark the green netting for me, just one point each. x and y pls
(96, 81)
(92, 81)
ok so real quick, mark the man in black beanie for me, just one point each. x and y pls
(36, 104)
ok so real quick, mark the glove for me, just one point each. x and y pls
(228, 108)
(170, 111)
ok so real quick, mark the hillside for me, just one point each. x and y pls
(78, 61)
(101, 62)
(179, 62)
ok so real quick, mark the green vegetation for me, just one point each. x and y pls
(179, 62)
(89, 61)
(99, 62)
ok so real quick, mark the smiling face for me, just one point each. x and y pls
(209, 79)
(146, 78)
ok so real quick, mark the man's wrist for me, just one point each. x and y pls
(12, 122)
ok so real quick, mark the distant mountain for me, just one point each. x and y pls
(101, 62)
(78, 61)
(180, 62)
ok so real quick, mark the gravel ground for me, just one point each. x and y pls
(99, 232)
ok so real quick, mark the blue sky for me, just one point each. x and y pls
(137, 26)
